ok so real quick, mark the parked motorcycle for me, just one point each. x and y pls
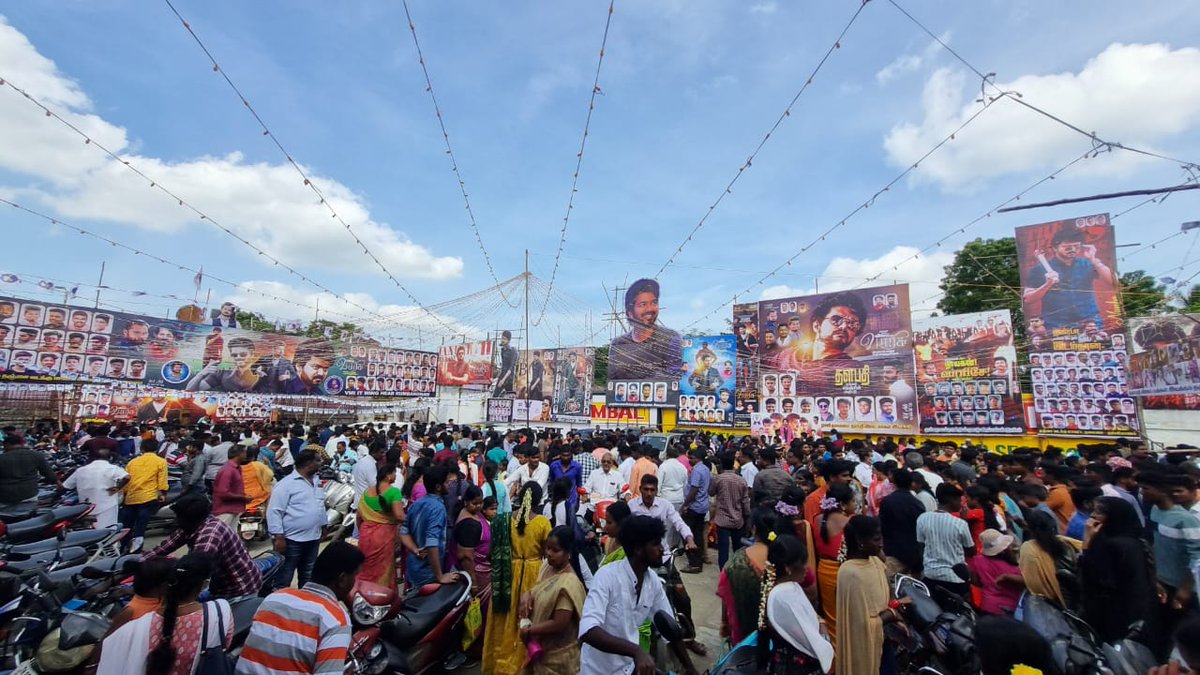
(339, 504)
(414, 633)
(252, 526)
(678, 596)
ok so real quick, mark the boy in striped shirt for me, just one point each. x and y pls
(305, 630)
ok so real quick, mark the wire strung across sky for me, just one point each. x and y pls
(295, 165)
(587, 124)
(787, 112)
(462, 185)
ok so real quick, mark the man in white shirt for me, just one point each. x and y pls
(662, 511)
(916, 462)
(608, 627)
(98, 483)
(747, 468)
(672, 484)
(216, 455)
(532, 470)
(366, 471)
(331, 446)
(604, 483)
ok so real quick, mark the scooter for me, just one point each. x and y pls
(339, 504)
(415, 633)
(41, 524)
(252, 526)
(678, 596)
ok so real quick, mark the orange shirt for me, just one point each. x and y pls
(1059, 501)
(643, 467)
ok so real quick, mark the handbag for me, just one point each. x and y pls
(213, 660)
(472, 623)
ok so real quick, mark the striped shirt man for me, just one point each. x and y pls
(946, 541)
(305, 630)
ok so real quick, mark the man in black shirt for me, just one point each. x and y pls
(898, 513)
(20, 467)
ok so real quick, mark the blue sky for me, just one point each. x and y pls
(688, 90)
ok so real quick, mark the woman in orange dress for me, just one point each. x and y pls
(836, 509)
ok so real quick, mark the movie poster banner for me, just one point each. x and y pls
(499, 411)
(573, 384)
(504, 367)
(1075, 328)
(645, 363)
(154, 405)
(745, 329)
(44, 342)
(841, 360)
(535, 374)
(1164, 369)
(966, 373)
(465, 365)
(706, 388)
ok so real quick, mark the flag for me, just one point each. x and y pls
(199, 278)
(48, 285)
(74, 291)
(10, 278)
(328, 331)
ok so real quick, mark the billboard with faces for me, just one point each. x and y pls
(572, 397)
(841, 360)
(1164, 368)
(644, 363)
(966, 374)
(465, 365)
(1071, 298)
(706, 389)
(745, 331)
(47, 342)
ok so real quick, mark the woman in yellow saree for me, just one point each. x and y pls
(516, 563)
(551, 610)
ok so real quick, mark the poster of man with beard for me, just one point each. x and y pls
(649, 355)
(852, 348)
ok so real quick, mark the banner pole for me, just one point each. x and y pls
(527, 341)
(99, 285)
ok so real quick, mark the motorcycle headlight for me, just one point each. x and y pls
(365, 613)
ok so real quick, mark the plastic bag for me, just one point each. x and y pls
(472, 623)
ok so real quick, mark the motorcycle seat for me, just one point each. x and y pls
(243, 613)
(24, 529)
(84, 538)
(420, 614)
(19, 512)
(925, 610)
(69, 556)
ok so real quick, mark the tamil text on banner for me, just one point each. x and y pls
(745, 329)
(706, 388)
(465, 365)
(573, 384)
(156, 405)
(840, 360)
(1164, 369)
(44, 342)
(1075, 328)
(644, 363)
(530, 411)
(966, 374)
(499, 410)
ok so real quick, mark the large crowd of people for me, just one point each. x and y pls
(809, 538)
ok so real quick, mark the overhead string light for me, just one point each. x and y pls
(156, 185)
(787, 112)
(165, 261)
(862, 206)
(562, 234)
(462, 185)
(308, 182)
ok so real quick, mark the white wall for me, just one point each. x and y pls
(1170, 427)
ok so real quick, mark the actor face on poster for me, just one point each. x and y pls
(706, 389)
(650, 354)
(1071, 295)
(844, 356)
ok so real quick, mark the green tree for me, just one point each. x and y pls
(1141, 293)
(984, 277)
(600, 373)
(1193, 300)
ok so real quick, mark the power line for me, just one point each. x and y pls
(462, 185)
(562, 235)
(787, 112)
(295, 165)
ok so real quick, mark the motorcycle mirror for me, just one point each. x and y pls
(667, 626)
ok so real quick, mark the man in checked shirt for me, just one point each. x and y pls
(236, 573)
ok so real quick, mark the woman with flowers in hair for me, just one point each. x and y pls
(739, 585)
(836, 509)
(790, 637)
(516, 564)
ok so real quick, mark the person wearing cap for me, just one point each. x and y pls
(996, 573)
(229, 487)
(649, 350)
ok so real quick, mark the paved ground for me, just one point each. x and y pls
(706, 607)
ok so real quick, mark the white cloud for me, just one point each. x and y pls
(897, 265)
(267, 204)
(1135, 94)
(764, 8)
(910, 63)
